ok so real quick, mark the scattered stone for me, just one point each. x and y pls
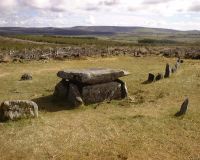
(26, 76)
(167, 71)
(151, 78)
(13, 110)
(183, 108)
(159, 76)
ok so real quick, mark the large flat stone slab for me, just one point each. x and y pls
(92, 76)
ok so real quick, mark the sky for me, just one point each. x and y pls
(172, 14)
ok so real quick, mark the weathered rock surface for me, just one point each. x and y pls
(183, 108)
(167, 71)
(13, 110)
(92, 76)
(26, 77)
(100, 92)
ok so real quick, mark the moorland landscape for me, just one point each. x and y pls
(141, 126)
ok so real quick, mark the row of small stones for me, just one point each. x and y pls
(168, 71)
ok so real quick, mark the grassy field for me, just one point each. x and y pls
(143, 128)
(67, 40)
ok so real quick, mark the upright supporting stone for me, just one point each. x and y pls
(151, 78)
(74, 96)
(61, 90)
(124, 90)
(167, 71)
(100, 92)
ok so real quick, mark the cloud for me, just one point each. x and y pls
(195, 8)
(65, 13)
(109, 2)
(153, 2)
(7, 4)
(92, 8)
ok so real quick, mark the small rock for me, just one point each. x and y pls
(167, 71)
(183, 108)
(13, 110)
(26, 76)
(159, 76)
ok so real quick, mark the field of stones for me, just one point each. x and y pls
(147, 124)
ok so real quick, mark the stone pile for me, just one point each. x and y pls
(168, 72)
(89, 86)
(13, 110)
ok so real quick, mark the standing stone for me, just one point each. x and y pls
(159, 76)
(150, 78)
(167, 71)
(13, 110)
(177, 65)
(183, 108)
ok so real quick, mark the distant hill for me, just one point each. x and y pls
(90, 30)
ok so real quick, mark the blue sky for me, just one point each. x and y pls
(173, 14)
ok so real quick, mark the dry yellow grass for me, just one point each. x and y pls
(142, 129)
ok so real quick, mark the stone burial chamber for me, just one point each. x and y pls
(88, 86)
